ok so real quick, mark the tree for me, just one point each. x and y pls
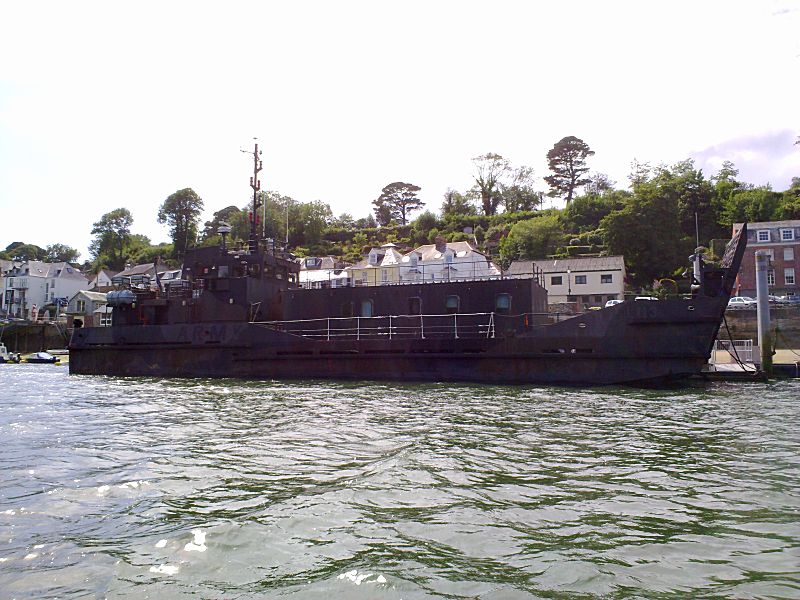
(490, 169)
(695, 196)
(61, 253)
(790, 203)
(456, 203)
(226, 215)
(112, 232)
(645, 231)
(599, 184)
(518, 194)
(181, 212)
(20, 251)
(586, 212)
(398, 199)
(567, 161)
(532, 239)
(752, 205)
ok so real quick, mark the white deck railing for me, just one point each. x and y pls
(453, 326)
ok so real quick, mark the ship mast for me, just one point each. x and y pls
(255, 183)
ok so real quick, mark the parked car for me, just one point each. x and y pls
(793, 300)
(777, 299)
(638, 298)
(741, 302)
(613, 302)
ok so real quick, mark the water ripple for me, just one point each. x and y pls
(115, 487)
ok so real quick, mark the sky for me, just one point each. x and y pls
(106, 105)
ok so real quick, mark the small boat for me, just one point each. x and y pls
(42, 358)
(8, 357)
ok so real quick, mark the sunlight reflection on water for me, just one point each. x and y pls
(224, 488)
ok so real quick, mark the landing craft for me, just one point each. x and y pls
(242, 313)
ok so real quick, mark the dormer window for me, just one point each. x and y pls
(414, 259)
(448, 257)
(762, 235)
(787, 235)
(373, 258)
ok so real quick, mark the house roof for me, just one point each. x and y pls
(390, 256)
(767, 225)
(38, 268)
(145, 269)
(561, 265)
(93, 296)
(431, 252)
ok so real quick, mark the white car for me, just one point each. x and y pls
(613, 302)
(741, 302)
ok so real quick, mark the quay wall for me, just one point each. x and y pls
(743, 325)
(33, 337)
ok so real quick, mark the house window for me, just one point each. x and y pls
(788, 254)
(80, 306)
(415, 305)
(502, 303)
(771, 277)
(367, 308)
(788, 276)
(452, 304)
(105, 319)
(448, 258)
(556, 280)
(585, 298)
(572, 299)
(787, 235)
(607, 278)
(598, 298)
(364, 276)
(763, 235)
(580, 279)
(384, 275)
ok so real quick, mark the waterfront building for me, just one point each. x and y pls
(579, 282)
(323, 271)
(30, 286)
(446, 261)
(781, 240)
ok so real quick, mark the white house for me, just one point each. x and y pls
(323, 271)
(446, 261)
(30, 286)
(102, 281)
(583, 282)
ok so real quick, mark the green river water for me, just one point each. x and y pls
(153, 488)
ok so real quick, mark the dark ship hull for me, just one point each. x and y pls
(632, 342)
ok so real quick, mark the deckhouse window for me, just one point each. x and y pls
(556, 280)
(606, 278)
(367, 308)
(502, 303)
(580, 279)
(452, 304)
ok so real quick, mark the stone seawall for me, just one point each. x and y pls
(743, 325)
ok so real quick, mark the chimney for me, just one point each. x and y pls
(441, 245)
